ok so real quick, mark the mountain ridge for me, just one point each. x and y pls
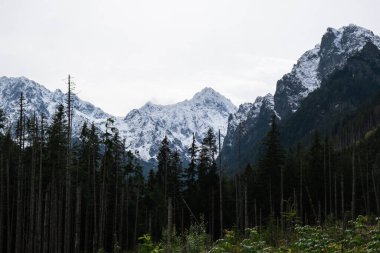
(306, 76)
(143, 128)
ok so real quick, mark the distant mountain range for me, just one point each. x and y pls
(143, 128)
(295, 103)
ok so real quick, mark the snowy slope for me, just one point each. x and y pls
(315, 65)
(43, 101)
(142, 128)
(145, 128)
(336, 46)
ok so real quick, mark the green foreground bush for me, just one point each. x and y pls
(361, 235)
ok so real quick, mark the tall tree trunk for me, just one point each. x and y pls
(40, 201)
(45, 248)
(67, 234)
(2, 201)
(330, 179)
(212, 213)
(256, 224)
(121, 219)
(282, 198)
(376, 194)
(236, 202)
(366, 204)
(245, 208)
(270, 197)
(170, 226)
(220, 190)
(367, 185)
(78, 214)
(20, 176)
(9, 212)
(336, 198)
(342, 195)
(95, 235)
(136, 217)
(324, 179)
(60, 220)
(353, 199)
(32, 225)
(301, 191)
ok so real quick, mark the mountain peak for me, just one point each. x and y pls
(336, 46)
(210, 98)
(206, 92)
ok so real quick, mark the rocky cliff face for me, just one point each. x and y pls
(317, 64)
(306, 76)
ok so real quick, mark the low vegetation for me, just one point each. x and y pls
(360, 235)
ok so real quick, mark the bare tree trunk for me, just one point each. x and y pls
(87, 227)
(245, 207)
(46, 222)
(255, 214)
(32, 225)
(39, 208)
(212, 212)
(67, 237)
(376, 196)
(127, 215)
(136, 217)
(59, 219)
(366, 204)
(342, 195)
(270, 196)
(260, 220)
(301, 192)
(236, 203)
(170, 225)
(330, 179)
(2, 201)
(121, 223)
(353, 199)
(115, 238)
(9, 216)
(78, 220)
(367, 186)
(324, 180)
(95, 236)
(182, 221)
(20, 176)
(220, 190)
(336, 198)
(282, 198)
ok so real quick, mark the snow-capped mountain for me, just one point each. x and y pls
(318, 63)
(307, 75)
(142, 128)
(145, 128)
(43, 101)
(246, 111)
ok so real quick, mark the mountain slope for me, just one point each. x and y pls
(330, 108)
(142, 128)
(317, 64)
(312, 68)
(145, 128)
(43, 101)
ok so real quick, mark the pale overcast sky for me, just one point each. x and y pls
(124, 53)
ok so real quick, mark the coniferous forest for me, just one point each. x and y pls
(88, 194)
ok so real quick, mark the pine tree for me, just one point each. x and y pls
(271, 163)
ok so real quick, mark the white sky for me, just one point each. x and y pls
(124, 53)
